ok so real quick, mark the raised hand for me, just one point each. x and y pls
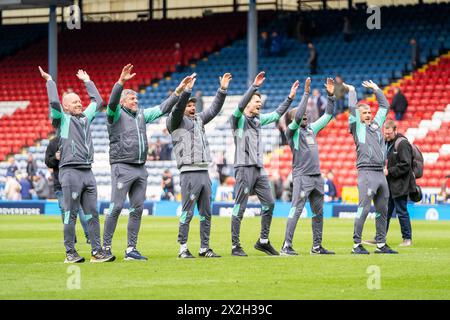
(126, 74)
(184, 83)
(348, 87)
(45, 75)
(82, 75)
(308, 85)
(294, 88)
(225, 81)
(370, 85)
(191, 82)
(330, 86)
(259, 79)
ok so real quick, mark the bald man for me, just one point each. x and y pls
(77, 154)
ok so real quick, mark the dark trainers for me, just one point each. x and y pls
(360, 250)
(238, 252)
(266, 248)
(385, 249)
(186, 254)
(134, 255)
(208, 254)
(102, 256)
(288, 251)
(107, 250)
(73, 257)
(320, 250)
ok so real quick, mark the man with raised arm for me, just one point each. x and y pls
(193, 158)
(127, 155)
(77, 154)
(251, 178)
(371, 156)
(307, 179)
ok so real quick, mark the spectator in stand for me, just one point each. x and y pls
(415, 54)
(178, 57)
(31, 166)
(312, 113)
(167, 186)
(12, 168)
(320, 102)
(25, 186)
(313, 59)
(199, 103)
(265, 44)
(166, 146)
(339, 93)
(347, 30)
(12, 188)
(276, 46)
(40, 186)
(399, 104)
(443, 196)
(51, 185)
(276, 185)
(331, 191)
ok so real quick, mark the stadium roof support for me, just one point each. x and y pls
(252, 42)
(53, 44)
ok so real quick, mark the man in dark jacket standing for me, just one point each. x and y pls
(400, 177)
(399, 104)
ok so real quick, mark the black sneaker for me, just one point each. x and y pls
(107, 250)
(102, 256)
(288, 251)
(238, 252)
(208, 254)
(266, 248)
(73, 257)
(186, 254)
(385, 249)
(360, 250)
(321, 250)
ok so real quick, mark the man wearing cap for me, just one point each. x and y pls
(193, 158)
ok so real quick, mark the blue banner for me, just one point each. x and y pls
(25, 207)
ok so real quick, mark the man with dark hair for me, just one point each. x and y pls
(308, 182)
(415, 54)
(191, 150)
(251, 177)
(313, 59)
(400, 178)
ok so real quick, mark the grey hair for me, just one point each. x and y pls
(127, 92)
(363, 106)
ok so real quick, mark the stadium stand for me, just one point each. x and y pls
(382, 55)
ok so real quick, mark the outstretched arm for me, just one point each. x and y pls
(282, 108)
(320, 123)
(176, 116)
(218, 101)
(56, 113)
(237, 114)
(113, 108)
(151, 114)
(383, 104)
(301, 110)
(96, 100)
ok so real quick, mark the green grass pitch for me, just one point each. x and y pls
(32, 254)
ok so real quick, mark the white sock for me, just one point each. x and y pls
(183, 247)
(380, 245)
(202, 250)
(129, 249)
(264, 240)
(286, 245)
(356, 244)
